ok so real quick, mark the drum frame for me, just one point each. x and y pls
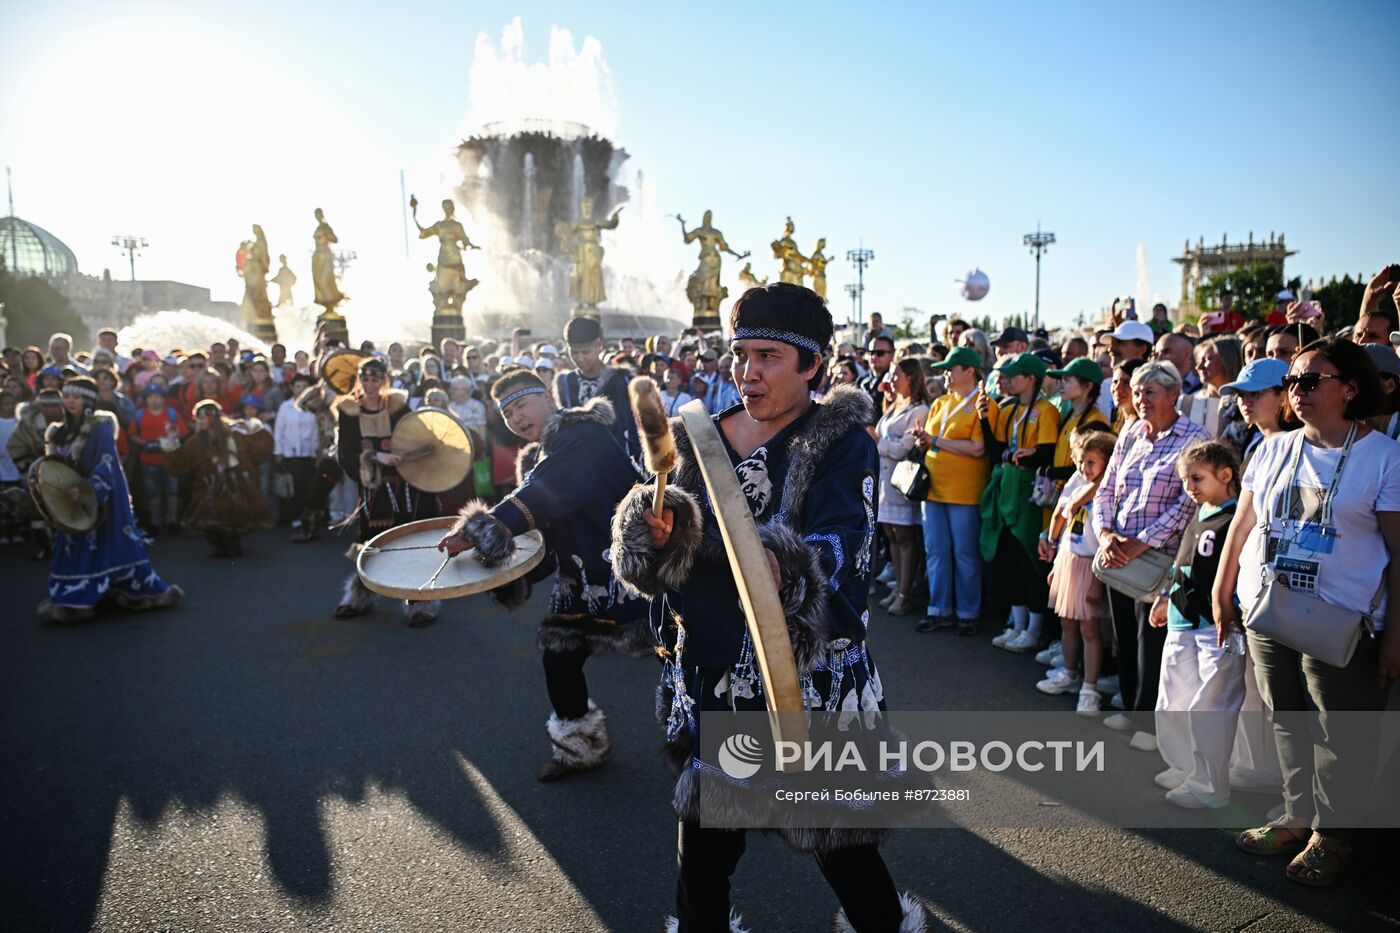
(381, 542)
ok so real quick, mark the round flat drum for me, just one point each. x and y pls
(50, 481)
(402, 561)
(435, 450)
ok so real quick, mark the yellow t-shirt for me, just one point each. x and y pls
(955, 479)
(1091, 416)
(1041, 425)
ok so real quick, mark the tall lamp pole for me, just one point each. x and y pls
(862, 257)
(1038, 243)
(854, 291)
(130, 245)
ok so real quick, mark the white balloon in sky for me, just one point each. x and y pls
(975, 286)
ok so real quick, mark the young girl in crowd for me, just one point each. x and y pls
(1076, 595)
(1202, 682)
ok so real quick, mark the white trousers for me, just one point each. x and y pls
(1198, 703)
(1255, 760)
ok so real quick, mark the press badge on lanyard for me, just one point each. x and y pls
(1295, 545)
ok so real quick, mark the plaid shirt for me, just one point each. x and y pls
(1141, 495)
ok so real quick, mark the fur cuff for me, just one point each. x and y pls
(803, 593)
(580, 743)
(914, 919)
(736, 924)
(640, 567)
(371, 473)
(513, 595)
(493, 541)
(421, 611)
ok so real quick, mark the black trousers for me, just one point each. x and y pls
(1139, 657)
(564, 680)
(1020, 578)
(707, 859)
(303, 473)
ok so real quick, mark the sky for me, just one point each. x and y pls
(935, 134)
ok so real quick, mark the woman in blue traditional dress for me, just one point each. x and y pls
(109, 561)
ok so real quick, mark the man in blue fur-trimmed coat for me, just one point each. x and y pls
(572, 474)
(808, 470)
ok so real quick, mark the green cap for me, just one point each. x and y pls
(1081, 368)
(1023, 364)
(960, 356)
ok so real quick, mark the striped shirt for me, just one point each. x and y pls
(1141, 495)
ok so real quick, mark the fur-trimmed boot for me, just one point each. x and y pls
(736, 924)
(421, 612)
(64, 615)
(914, 920)
(576, 744)
(357, 599)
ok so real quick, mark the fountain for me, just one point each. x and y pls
(540, 145)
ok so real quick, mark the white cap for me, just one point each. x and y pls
(548, 350)
(505, 361)
(1286, 295)
(1133, 330)
(544, 362)
(524, 360)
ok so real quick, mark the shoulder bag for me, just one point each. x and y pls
(1142, 578)
(1292, 617)
(911, 477)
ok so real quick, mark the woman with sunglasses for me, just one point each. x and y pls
(1331, 535)
(365, 420)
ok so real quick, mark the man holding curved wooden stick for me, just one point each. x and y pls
(807, 470)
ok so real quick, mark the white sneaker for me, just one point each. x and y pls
(1108, 686)
(1048, 655)
(1023, 643)
(1052, 671)
(1117, 700)
(1187, 800)
(1143, 742)
(1088, 703)
(1061, 682)
(886, 576)
(1119, 722)
(1001, 640)
(1170, 778)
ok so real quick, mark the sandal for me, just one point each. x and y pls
(1321, 863)
(1275, 838)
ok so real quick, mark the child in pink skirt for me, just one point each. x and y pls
(1076, 595)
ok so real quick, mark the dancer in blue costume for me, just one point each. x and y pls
(109, 562)
(808, 471)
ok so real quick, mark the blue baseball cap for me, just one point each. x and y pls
(1265, 373)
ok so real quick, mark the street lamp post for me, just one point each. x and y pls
(1038, 243)
(862, 257)
(854, 291)
(130, 245)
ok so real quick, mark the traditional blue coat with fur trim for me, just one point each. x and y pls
(570, 484)
(108, 562)
(812, 490)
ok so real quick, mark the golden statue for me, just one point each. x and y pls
(703, 288)
(284, 280)
(257, 307)
(586, 286)
(816, 268)
(450, 283)
(328, 293)
(794, 263)
(749, 280)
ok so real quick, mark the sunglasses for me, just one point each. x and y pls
(881, 352)
(1307, 382)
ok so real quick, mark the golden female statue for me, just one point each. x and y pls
(323, 266)
(704, 289)
(749, 280)
(816, 268)
(586, 287)
(257, 308)
(794, 263)
(450, 285)
(284, 280)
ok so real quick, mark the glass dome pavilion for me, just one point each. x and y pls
(28, 249)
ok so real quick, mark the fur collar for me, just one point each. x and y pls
(394, 399)
(597, 410)
(90, 420)
(842, 409)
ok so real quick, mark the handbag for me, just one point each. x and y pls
(1142, 578)
(911, 476)
(1304, 622)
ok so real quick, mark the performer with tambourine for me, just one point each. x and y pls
(572, 474)
(365, 421)
(223, 455)
(79, 486)
(806, 473)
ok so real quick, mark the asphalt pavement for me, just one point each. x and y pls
(247, 762)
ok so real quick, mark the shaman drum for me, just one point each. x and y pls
(50, 479)
(404, 562)
(435, 451)
(340, 367)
